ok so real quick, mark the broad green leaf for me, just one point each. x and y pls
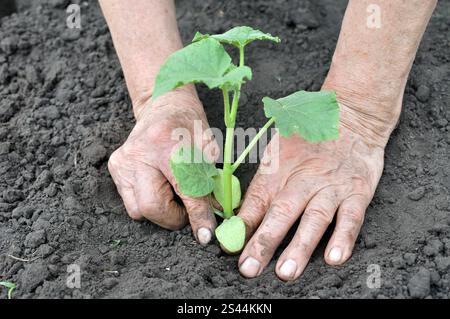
(193, 173)
(201, 62)
(238, 36)
(235, 190)
(231, 234)
(313, 115)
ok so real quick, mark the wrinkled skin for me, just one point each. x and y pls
(318, 183)
(315, 181)
(141, 172)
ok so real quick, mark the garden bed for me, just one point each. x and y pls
(64, 109)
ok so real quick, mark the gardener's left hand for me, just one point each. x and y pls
(314, 182)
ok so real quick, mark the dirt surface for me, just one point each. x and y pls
(64, 108)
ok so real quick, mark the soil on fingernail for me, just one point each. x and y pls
(64, 108)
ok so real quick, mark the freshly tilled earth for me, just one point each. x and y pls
(64, 109)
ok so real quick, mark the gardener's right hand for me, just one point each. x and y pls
(140, 167)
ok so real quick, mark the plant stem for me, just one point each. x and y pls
(230, 122)
(10, 292)
(252, 143)
(227, 174)
(227, 158)
(234, 106)
(226, 103)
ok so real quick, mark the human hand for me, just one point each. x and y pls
(315, 182)
(140, 167)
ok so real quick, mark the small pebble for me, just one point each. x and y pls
(419, 284)
(417, 194)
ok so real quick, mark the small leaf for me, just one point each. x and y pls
(235, 76)
(205, 62)
(313, 115)
(238, 36)
(10, 286)
(116, 243)
(231, 234)
(7, 284)
(219, 191)
(193, 173)
(218, 212)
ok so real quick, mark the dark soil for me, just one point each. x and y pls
(64, 108)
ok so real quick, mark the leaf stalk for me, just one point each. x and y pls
(252, 144)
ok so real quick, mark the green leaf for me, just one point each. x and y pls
(205, 62)
(231, 234)
(218, 212)
(235, 76)
(10, 286)
(313, 115)
(219, 191)
(193, 173)
(7, 284)
(238, 36)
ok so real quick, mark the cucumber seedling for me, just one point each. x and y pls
(312, 115)
(10, 286)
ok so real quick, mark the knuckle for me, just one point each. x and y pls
(199, 214)
(134, 214)
(283, 209)
(130, 150)
(318, 215)
(257, 195)
(157, 132)
(254, 209)
(362, 185)
(122, 156)
(170, 127)
(114, 161)
(195, 208)
(353, 217)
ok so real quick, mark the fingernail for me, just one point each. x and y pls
(204, 235)
(250, 267)
(335, 254)
(288, 269)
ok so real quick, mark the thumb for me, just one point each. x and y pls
(199, 211)
(201, 218)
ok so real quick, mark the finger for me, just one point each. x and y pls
(200, 210)
(256, 202)
(201, 218)
(125, 191)
(316, 218)
(215, 204)
(155, 200)
(350, 218)
(282, 214)
(129, 200)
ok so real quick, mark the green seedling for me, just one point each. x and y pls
(10, 286)
(116, 243)
(312, 115)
